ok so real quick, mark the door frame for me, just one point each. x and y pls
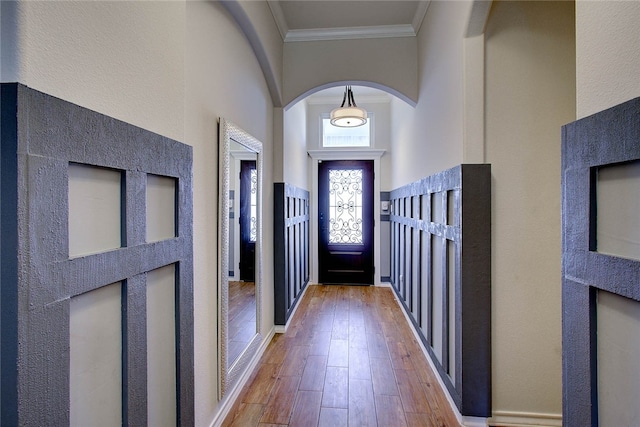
(348, 154)
(246, 249)
(234, 240)
(344, 254)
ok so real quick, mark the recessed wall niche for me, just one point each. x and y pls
(95, 377)
(618, 204)
(161, 208)
(95, 219)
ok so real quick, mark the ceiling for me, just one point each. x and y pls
(308, 20)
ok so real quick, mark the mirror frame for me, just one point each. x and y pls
(227, 376)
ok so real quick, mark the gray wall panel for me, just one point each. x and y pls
(40, 136)
(464, 281)
(606, 138)
(291, 248)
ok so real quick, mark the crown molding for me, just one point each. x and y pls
(373, 32)
(370, 32)
(278, 16)
(421, 12)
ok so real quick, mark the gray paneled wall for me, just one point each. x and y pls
(291, 248)
(599, 280)
(385, 237)
(97, 268)
(441, 272)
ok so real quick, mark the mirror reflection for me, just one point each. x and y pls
(239, 249)
(243, 233)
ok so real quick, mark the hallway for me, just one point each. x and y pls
(349, 357)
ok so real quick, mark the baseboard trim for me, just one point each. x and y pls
(230, 398)
(474, 422)
(525, 419)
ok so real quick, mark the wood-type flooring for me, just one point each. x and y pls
(242, 317)
(348, 358)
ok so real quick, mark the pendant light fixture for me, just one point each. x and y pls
(349, 116)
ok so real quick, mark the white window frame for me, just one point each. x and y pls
(370, 122)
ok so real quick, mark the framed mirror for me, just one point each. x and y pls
(239, 252)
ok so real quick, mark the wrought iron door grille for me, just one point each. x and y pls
(345, 206)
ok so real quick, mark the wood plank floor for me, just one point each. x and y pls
(242, 317)
(349, 358)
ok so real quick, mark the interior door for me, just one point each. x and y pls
(248, 203)
(345, 221)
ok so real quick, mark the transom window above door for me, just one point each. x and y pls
(334, 136)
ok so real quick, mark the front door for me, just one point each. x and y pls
(248, 203)
(345, 221)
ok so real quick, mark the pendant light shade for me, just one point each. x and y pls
(349, 116)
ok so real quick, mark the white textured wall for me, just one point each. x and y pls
(390, 62)
(266, 41)
(607, 54)
(530, 81)
(123, 59)
(294, 153)
(428, 139)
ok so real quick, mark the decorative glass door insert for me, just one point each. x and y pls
(254, 206)
(345, 206)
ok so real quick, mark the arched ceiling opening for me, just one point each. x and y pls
(333, 93)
